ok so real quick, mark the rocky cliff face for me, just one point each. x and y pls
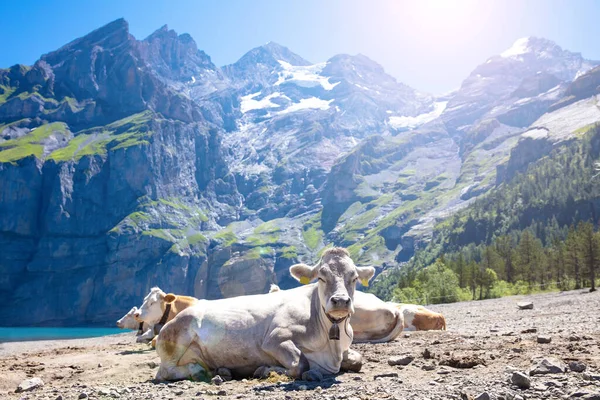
(130, 163)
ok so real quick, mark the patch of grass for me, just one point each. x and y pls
(81, 146)
(170, 235)
(5, 93)
(289, 252)
(585, 129)
(258, 252)
(312, 233)
(226, 236)
(196, 238)
(368, 251)
(268, 227)
(30, 144)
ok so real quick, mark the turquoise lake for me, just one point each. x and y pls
(27, 334)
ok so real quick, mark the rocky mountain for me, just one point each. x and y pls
(129, 163)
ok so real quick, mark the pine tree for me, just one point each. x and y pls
(572, 256)
(504, 247)
(588, 242)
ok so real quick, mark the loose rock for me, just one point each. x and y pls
(400, 360)
(577, 366)
(544, 339)
(548, 365)
(217, 380)
(525, 305)
(483, 396)
(520, 380)
(29, 385)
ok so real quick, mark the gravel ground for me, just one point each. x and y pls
(480, 356)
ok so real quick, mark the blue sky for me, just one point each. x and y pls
(431, 45)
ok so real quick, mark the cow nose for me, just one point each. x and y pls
(340, 301)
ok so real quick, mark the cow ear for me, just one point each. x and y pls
(365, 274)
(303, 273)
(170, 298)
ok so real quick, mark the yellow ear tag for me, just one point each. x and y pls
(304, 280)
(365, 282)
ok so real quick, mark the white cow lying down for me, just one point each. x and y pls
(303, 332)
(373, 321)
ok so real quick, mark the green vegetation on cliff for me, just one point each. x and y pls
(535, 232)
(31, 143)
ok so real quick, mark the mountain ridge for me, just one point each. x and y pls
(211, 181)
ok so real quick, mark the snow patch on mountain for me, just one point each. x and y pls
(248, 103)
(520, 46)
(311, 103)
(304, 75)
(413, 122)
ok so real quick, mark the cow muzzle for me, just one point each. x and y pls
(340, 306)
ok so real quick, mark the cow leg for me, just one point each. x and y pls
(174, 342)
(146, 337)
(288, 355)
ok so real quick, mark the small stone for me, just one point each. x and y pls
(574, 338)
(540, 388)
(83, 395)
(59, 397)
(178, 392)
(388, 375)
(302, 387)
(483, 396)
(548, 365)
(99, 365)
(520, 380)
(544, 339)
(427, 354)
(407, 336)
(525, 305)
(217, 380)
(529, 330)
(577, 366)
(428, 367)
(152, 364)
(400, 360)
(29, 385)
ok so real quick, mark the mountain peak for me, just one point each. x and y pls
(270, 53)
(110, 35)
(532, 45)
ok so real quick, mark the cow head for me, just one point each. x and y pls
(154, 306)
(128, 320)
(337, 276)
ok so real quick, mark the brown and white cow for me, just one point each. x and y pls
(128, 321)
(419, 318)
(159, 308)
(374, 320)
(302, 332)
